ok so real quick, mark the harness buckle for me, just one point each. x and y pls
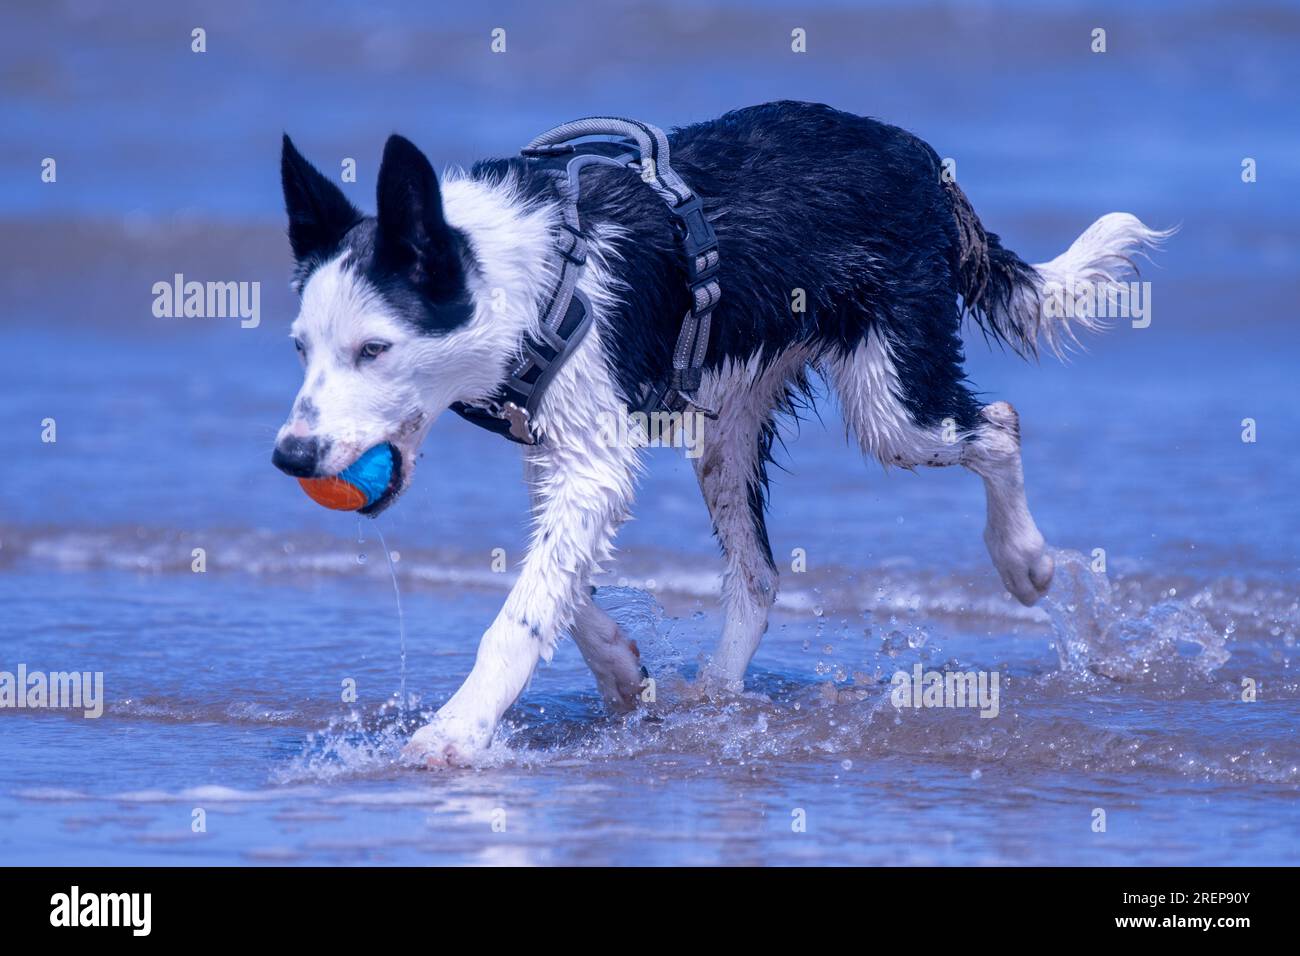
(520, 426)
(698, 240)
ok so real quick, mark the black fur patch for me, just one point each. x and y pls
(408, 253)
(319, 214)
(405, 298)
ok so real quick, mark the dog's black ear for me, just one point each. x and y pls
(413, 237)
(319, 213)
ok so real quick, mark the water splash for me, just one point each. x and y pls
(1112, 641)
(1169, 641)
(358, 744)
(643, 620)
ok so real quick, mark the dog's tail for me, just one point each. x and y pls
(1020, 304)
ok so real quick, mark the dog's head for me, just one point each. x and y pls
(387, 329)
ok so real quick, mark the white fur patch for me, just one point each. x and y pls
(869, 389)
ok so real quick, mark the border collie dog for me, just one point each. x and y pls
(426, 304)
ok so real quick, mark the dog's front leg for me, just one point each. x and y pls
(582, 491)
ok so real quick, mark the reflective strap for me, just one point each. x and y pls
(652, 141)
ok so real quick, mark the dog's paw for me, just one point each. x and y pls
(443, 743)
(1023, 563)
(621, 678)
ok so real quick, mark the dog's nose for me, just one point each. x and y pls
(297, 456)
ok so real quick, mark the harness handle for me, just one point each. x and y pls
(651, 141)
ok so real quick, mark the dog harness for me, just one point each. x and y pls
(566, 314)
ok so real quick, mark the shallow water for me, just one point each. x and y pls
(225, 689)
(253, 732)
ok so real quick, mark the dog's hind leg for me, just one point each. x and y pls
(613, 658)
(732, 472)
(946, 426)
(1013, 539)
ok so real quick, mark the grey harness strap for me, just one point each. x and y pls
(651, 143)
(566, 314)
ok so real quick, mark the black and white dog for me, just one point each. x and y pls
(425, 304)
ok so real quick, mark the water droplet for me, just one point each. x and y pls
(846, 764)
(362, 557)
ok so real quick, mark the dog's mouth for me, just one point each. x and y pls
(394, 488)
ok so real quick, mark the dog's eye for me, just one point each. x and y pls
(297, 344)
(373, 350)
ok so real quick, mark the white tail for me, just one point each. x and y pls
(1100, 261)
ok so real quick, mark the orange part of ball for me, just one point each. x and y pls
(334, 493)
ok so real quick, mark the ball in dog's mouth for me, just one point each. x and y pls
(367, 486)
(392, 489)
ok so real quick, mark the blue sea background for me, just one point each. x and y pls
(223, 688)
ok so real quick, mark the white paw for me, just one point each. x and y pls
(1023, 563)
(447, 742)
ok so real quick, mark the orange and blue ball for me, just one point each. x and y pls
(358, 486)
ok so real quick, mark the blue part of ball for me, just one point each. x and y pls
(371, 472)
